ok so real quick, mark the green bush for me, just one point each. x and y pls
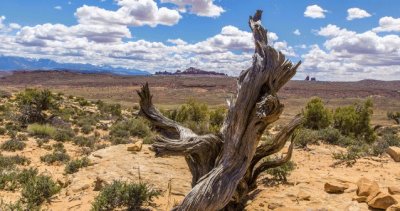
(32, 103)
(120, 194)
(355, 121)
(86, 129)
(74, 165)
(83, 141)
(217, 118)
(316, 115)
(8, 162)
(330, 135)
(131, 127)
(304, 137)
(41, 131)
(82, 101)
(37, 190)
(282, 172)
(13, 145)
(394, 116)
(112, 109)
(3, 131)
(64, 134)
(5, 94)
(56, 156)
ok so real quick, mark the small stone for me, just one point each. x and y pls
(394, 190)
(335, 187)
(261, 205)
(136, 147)
(302, 195)
(81, 188)
(274, 205)
(366, 187)
(394, 152)
(359, 199)
(395, 207)
(382, 201)
(353, 206)
(98, 184)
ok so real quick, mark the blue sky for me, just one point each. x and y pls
(336, 40)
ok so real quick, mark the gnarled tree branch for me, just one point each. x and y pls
(223, 165)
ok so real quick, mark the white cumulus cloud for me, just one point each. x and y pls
(198, 7)
(58, 7)
(314, 11)
(357, 13)
(388, 24)
(130, 13)
(348, 55)
(297, 32)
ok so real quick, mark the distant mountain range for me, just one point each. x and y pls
(191, 71)
(13, 63)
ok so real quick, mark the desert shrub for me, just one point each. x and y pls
(64, 134)
(353, 152)
(282, 172)
(124, 195)
(83, 141)
(119, 140)
(16, 206)
(74, 165)
(5, 94)
(217, 118)
(304, 137)
(193, 114)
(13, 145)
(330, 135)
(112, 109)
(131, 127)
(32, 103)
(8, 180)
(21, 137)
(86, 129)
(41, 131)
(37, 190)
(316, 115)
(87, 120)
(355, 121)
(394, 116)
(3, 131)
(58, 155)
(82, 101)
(8, 162)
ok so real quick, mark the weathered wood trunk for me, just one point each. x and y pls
(225, 166)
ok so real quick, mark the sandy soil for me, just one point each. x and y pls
(303, 191)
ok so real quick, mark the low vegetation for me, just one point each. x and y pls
(348, 126)
(74, 165)
(124, 195)
(198, 117)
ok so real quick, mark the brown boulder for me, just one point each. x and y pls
(394, 190)
(382, 201)
(335, 187)
(394, 152)
(366, 187)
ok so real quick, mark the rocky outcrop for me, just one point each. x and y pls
(394, 152)
(335, 187)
